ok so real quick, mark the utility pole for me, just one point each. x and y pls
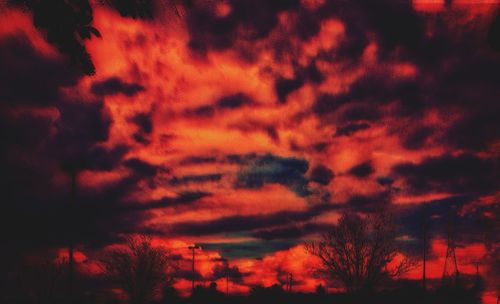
(226, 268)
(290, 282)
(424, 250)
(498, 294)
(193, 248)
(227, 277)
(71, 259)
(450, 270)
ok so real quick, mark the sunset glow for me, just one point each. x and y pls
(250, 131)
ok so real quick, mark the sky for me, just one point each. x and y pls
(248, 128)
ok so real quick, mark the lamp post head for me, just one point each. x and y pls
(192, 247)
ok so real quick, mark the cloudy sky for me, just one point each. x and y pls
(248, 127)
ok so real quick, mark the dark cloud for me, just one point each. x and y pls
(322, 175)
(365, 94)
(394, 25)
(190, 196)
(97, 158)
(26, 130)
(233, 101)
(369, 203)
(241, 159)
(385, 181)
(80, 127)
(287, 171)
(97, 218)
(185, 198)
(248, 21)
(471, 87)
(308, 24)
(115, 85)
(20, 77)
(229, 102)
(360, 112)
(206, 111)
(475, 131)
(140, 166)
(417, 138)
(238, 223)
(249, 249)
(441, 214)
(196, 179)
(464, 173)
(290, 232)
(455, 68)
(351, 128)
(326, 103)
(250, 126)
(196, 160)
(144, 123)
(285, 86)
(312, 73)
(320, 146)
(137, 9)
(362, 170)
(23, 156)
(83, 121)
(38, 150)
(362, 103)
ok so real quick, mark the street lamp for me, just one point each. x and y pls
(226, 262)
(193, 248)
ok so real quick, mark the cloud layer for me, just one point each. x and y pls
(249, 126)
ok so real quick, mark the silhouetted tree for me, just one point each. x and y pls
(170, 294)
(320, 289)
(42, 282)
(358, 250)
(494, 32)
(140, 269)
(65, 24)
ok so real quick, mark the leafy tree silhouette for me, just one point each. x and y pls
(65, 24)
(357, 251)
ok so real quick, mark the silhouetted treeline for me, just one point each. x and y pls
(141, 272)
(45, 286)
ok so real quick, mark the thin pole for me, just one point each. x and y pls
(192, 278)
(71, 262)
(424, 252)
(193, 273)
(226, 263)
(498, 295)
